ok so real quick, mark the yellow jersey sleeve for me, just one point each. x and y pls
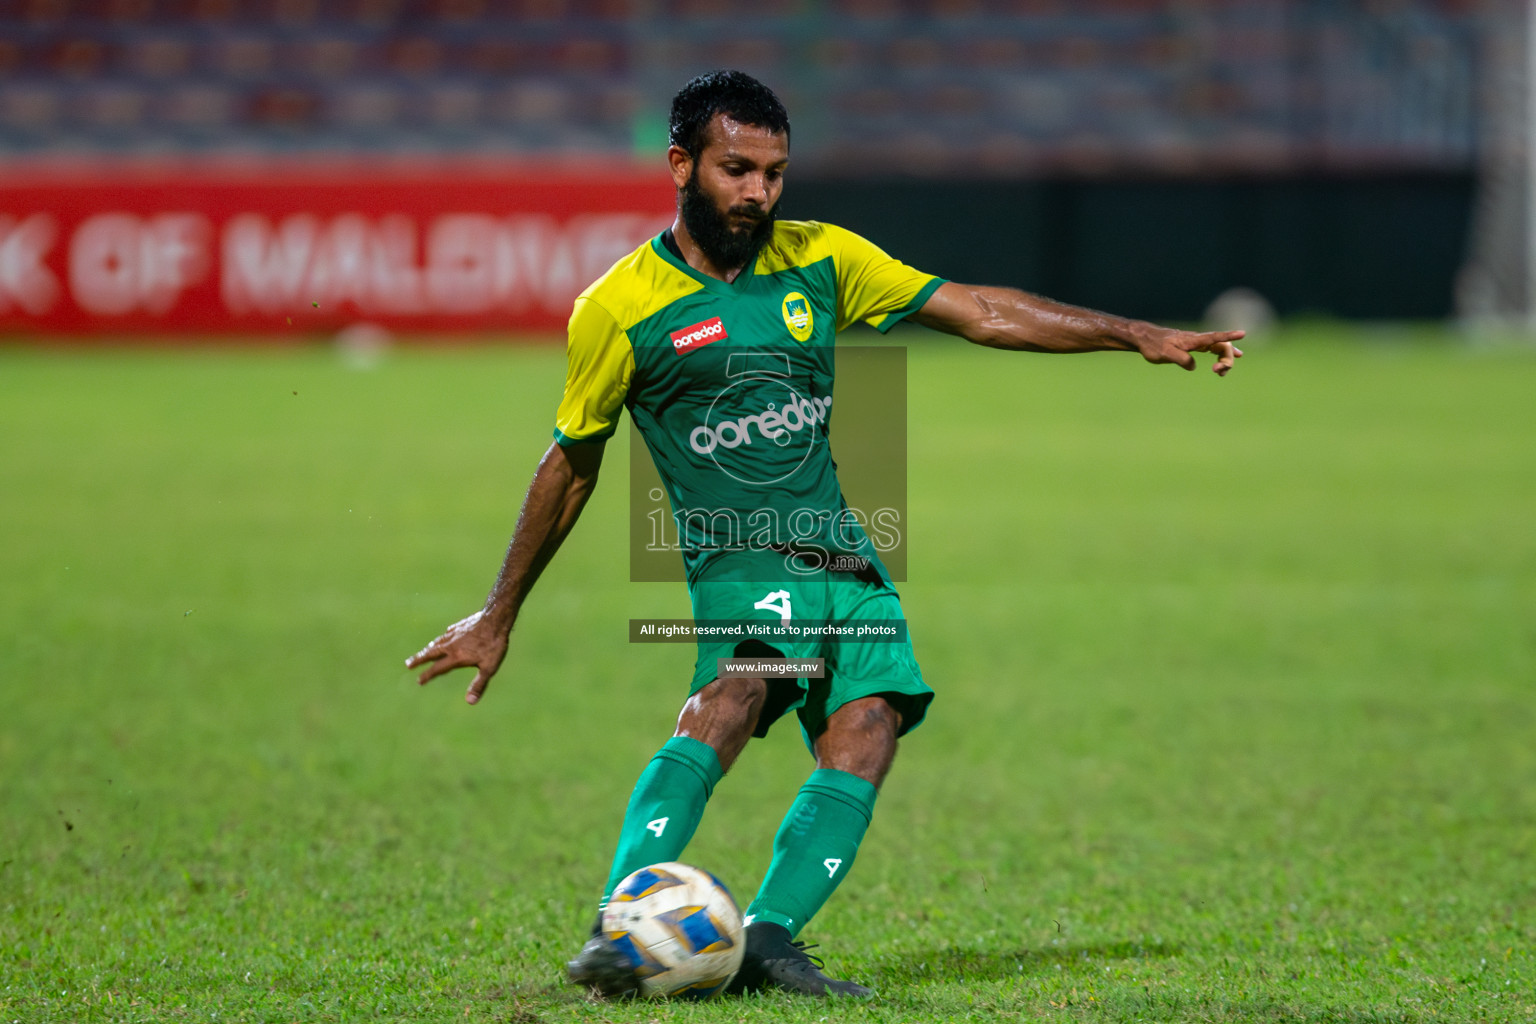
(599, 365)
(872, 286)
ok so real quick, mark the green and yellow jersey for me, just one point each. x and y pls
(731, 385)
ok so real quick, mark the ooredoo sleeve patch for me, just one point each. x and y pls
(872, 286)
(600, 363)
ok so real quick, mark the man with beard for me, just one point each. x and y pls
(717, 336)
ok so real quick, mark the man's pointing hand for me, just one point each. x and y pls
(1166, 345)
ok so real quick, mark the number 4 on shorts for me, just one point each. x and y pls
(776, 601)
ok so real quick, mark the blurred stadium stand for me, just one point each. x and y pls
(1331, 154)
(924, 87)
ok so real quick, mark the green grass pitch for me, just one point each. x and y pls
(1236, 717)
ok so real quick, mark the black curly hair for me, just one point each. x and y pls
(735, 94)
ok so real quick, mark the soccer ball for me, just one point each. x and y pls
(680, 929)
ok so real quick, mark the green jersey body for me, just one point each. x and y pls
(731, 386)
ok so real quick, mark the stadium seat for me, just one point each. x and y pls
(39, 13)
(371, 12)
(160, 56)
(292, 12)
(414, 55)
(78, 57)
(211, 12)
(365, 106)
(531, 103)
(127, 11)
(453, 105)
(589, 56)
(32, 107)
(283, 107)
(199, 107)
(240, 57)
(328, 57)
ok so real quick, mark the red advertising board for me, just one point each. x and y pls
(264, 250)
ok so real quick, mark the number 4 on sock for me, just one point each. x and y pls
(831, 864)
(658, 826)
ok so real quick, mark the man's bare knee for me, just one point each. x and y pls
(723, 715)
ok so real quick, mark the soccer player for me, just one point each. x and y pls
(718, 337)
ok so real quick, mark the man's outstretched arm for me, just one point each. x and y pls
(1013, 319)
(560, 489)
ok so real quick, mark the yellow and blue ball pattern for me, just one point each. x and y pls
(679, 928)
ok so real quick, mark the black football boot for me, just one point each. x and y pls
(772, 960)
(603, 968)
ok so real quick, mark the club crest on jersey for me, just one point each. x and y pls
(797, 316)
(700, 334)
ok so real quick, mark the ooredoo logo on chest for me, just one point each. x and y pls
(699, 335)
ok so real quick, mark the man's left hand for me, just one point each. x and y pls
(1166, 345)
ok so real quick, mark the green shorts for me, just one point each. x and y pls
(854, 669)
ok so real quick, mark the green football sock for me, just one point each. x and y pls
(665, 807)
(815, 848)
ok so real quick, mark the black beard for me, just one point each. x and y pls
(724, 246)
